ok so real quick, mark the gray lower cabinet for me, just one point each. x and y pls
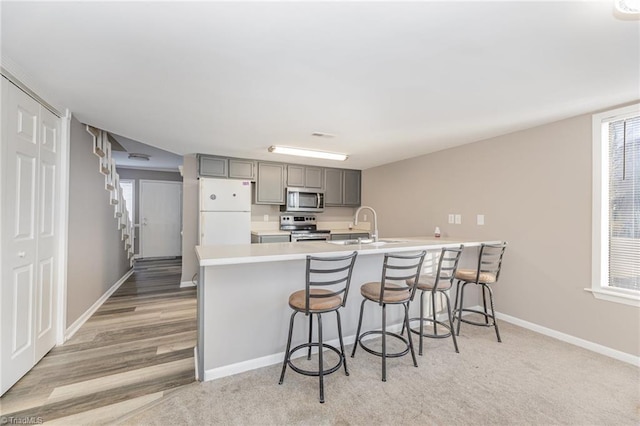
(270, 239)
(353, 236)
(342, 187)
(270, 183)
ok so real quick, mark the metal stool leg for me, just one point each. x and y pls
(456, 313)
(406, 320)
(484, 304)
(310, 335)
(286, 353)
(344, 358)
(320, 360)
(421, 322)
(460, 307)
(355, 344)
(384, 342)
(433, 313)
(453, 335)
(493, 313)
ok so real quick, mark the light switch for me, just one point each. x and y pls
(480, 219)
(458, 219)
(452, 218)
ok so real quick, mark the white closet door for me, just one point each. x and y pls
(28, 193)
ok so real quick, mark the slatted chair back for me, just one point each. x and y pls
(447, 267)
(331, 274)
(490, 262)
(397, 269)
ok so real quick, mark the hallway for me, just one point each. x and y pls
(135, 349)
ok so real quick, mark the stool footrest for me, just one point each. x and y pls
(388, 333)
(315, 372)
(458, 316)
(433, 336)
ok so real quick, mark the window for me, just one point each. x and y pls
(128, 195)
(616, 205)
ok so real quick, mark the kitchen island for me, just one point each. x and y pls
(243, 293)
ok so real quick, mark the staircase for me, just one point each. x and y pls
(107, 166)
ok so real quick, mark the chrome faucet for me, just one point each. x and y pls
(375, 221)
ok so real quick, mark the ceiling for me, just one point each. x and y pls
(391, 80)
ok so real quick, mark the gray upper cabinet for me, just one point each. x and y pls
(342, 187)
(351, 185)
(304, 176)
(213, 166)
(241, 169)
(223, 167)
(333, 187)
(313, 177)
(295, 176)
(270, 183)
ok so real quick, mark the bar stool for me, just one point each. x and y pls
(334, 273)
(438, 283)
(399, 268)
(486, 273)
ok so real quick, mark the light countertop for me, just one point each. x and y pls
(217, 255)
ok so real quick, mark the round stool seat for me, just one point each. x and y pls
(297, 300)
(426, 283)
(372, 292)
(469, 275)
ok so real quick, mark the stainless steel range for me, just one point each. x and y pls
(303, 228)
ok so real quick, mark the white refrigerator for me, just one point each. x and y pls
(225, 211)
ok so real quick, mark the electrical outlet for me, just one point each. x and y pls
(452, 218)
(265, 218)
(480, 220)
(364, 217)
(458, 219)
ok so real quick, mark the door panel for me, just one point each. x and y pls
(160, 219)
(44, 290)
(22, 310)
(25, 191)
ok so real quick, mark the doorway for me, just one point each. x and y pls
(160, 218)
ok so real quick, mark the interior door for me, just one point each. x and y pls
(160, 218)
(30, 155)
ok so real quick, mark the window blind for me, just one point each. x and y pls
(624, 203)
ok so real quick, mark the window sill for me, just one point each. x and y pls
(626, 297)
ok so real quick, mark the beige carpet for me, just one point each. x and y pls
(527, 379)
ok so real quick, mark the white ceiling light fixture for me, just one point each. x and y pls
(139, 157)
(628, 7)
(308, 153)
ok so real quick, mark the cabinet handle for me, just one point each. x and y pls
(22, 254)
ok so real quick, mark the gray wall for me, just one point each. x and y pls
(534, 188)
(137, 175)
(96, 255)
(189, 218)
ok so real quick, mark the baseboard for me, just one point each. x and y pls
(585, 344)
(185, 284)
(73, 328)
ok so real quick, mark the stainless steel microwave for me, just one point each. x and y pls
(303, 200)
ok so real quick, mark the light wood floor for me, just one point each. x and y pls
(137, 347)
